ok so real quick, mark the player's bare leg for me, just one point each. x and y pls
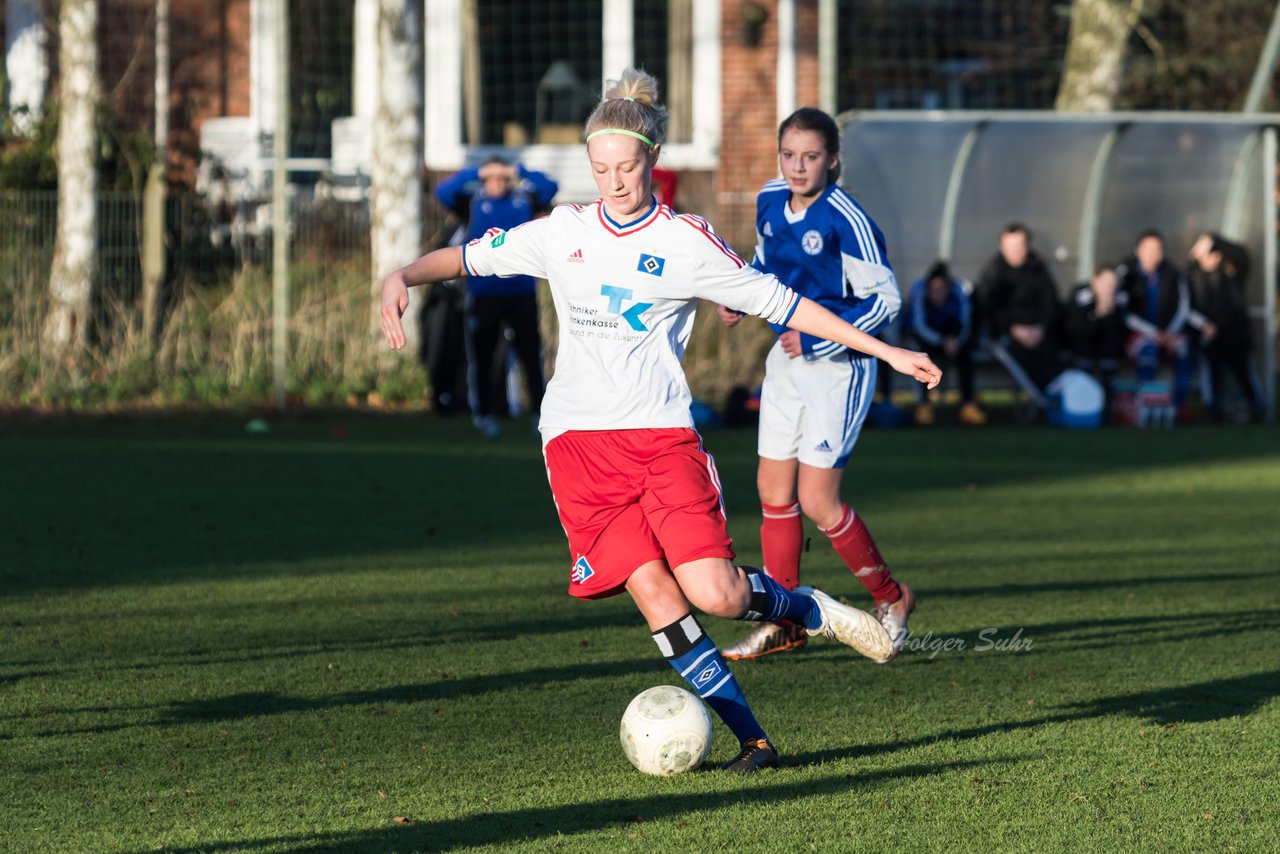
(657, 594)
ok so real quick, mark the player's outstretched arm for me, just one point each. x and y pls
(438, 266)
(817, 321)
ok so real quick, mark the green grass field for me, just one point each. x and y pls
(352, 634)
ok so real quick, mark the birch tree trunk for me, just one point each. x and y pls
(1094, 65)
(396, 203)
(153, 203)
(75, 250)
(472, 104)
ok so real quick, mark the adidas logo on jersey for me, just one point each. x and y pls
(824, 448)
(576, 257)
(768, 229)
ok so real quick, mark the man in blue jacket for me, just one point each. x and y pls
(1164, 323)
(501, 195)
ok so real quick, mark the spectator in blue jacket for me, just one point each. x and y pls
(940, 318)
(1161, 315)
(501, 195)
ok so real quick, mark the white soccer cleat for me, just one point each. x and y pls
(893, 616)
(852, 627)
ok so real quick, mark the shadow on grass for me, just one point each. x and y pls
(93, 510)
(161, 502)
(459, 632)
(928, 647)
(1086, 585)
(254, 704)
(1199, 702)
(1075, 635)
(1112, 632)
(527, 825)
(18, 676)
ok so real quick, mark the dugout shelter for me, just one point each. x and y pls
(944, 184)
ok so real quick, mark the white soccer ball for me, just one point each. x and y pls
(666, 730)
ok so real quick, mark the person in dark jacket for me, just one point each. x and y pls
(498, 195)
(1019, 302)
(1217, 280)
(1097, 331)
(1161, 314)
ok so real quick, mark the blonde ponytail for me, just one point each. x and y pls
(630, 107)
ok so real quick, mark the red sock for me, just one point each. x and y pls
(852, 541)
(781, 536)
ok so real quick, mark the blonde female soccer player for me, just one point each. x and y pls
(637, 495)
(812, 235)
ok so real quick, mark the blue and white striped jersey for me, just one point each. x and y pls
(832, 253)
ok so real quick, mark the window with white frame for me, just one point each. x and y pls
(662, 32)
(525, 75)
(532, 72)
(321, 56)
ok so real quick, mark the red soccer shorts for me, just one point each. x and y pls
(626, 497)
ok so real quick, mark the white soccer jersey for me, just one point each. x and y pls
(625, 299)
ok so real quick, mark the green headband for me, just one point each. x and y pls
(631, 133)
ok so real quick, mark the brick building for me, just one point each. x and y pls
(497, 75)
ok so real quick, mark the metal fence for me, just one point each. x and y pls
(206, 240)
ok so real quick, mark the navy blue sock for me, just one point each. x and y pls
(688, 649)
(771, 601)
(1183, 367)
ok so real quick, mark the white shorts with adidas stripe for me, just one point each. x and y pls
(813, 410)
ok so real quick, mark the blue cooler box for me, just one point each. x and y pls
(1076, 400)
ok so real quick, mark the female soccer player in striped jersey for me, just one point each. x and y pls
(812, 235)
(637, 495)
